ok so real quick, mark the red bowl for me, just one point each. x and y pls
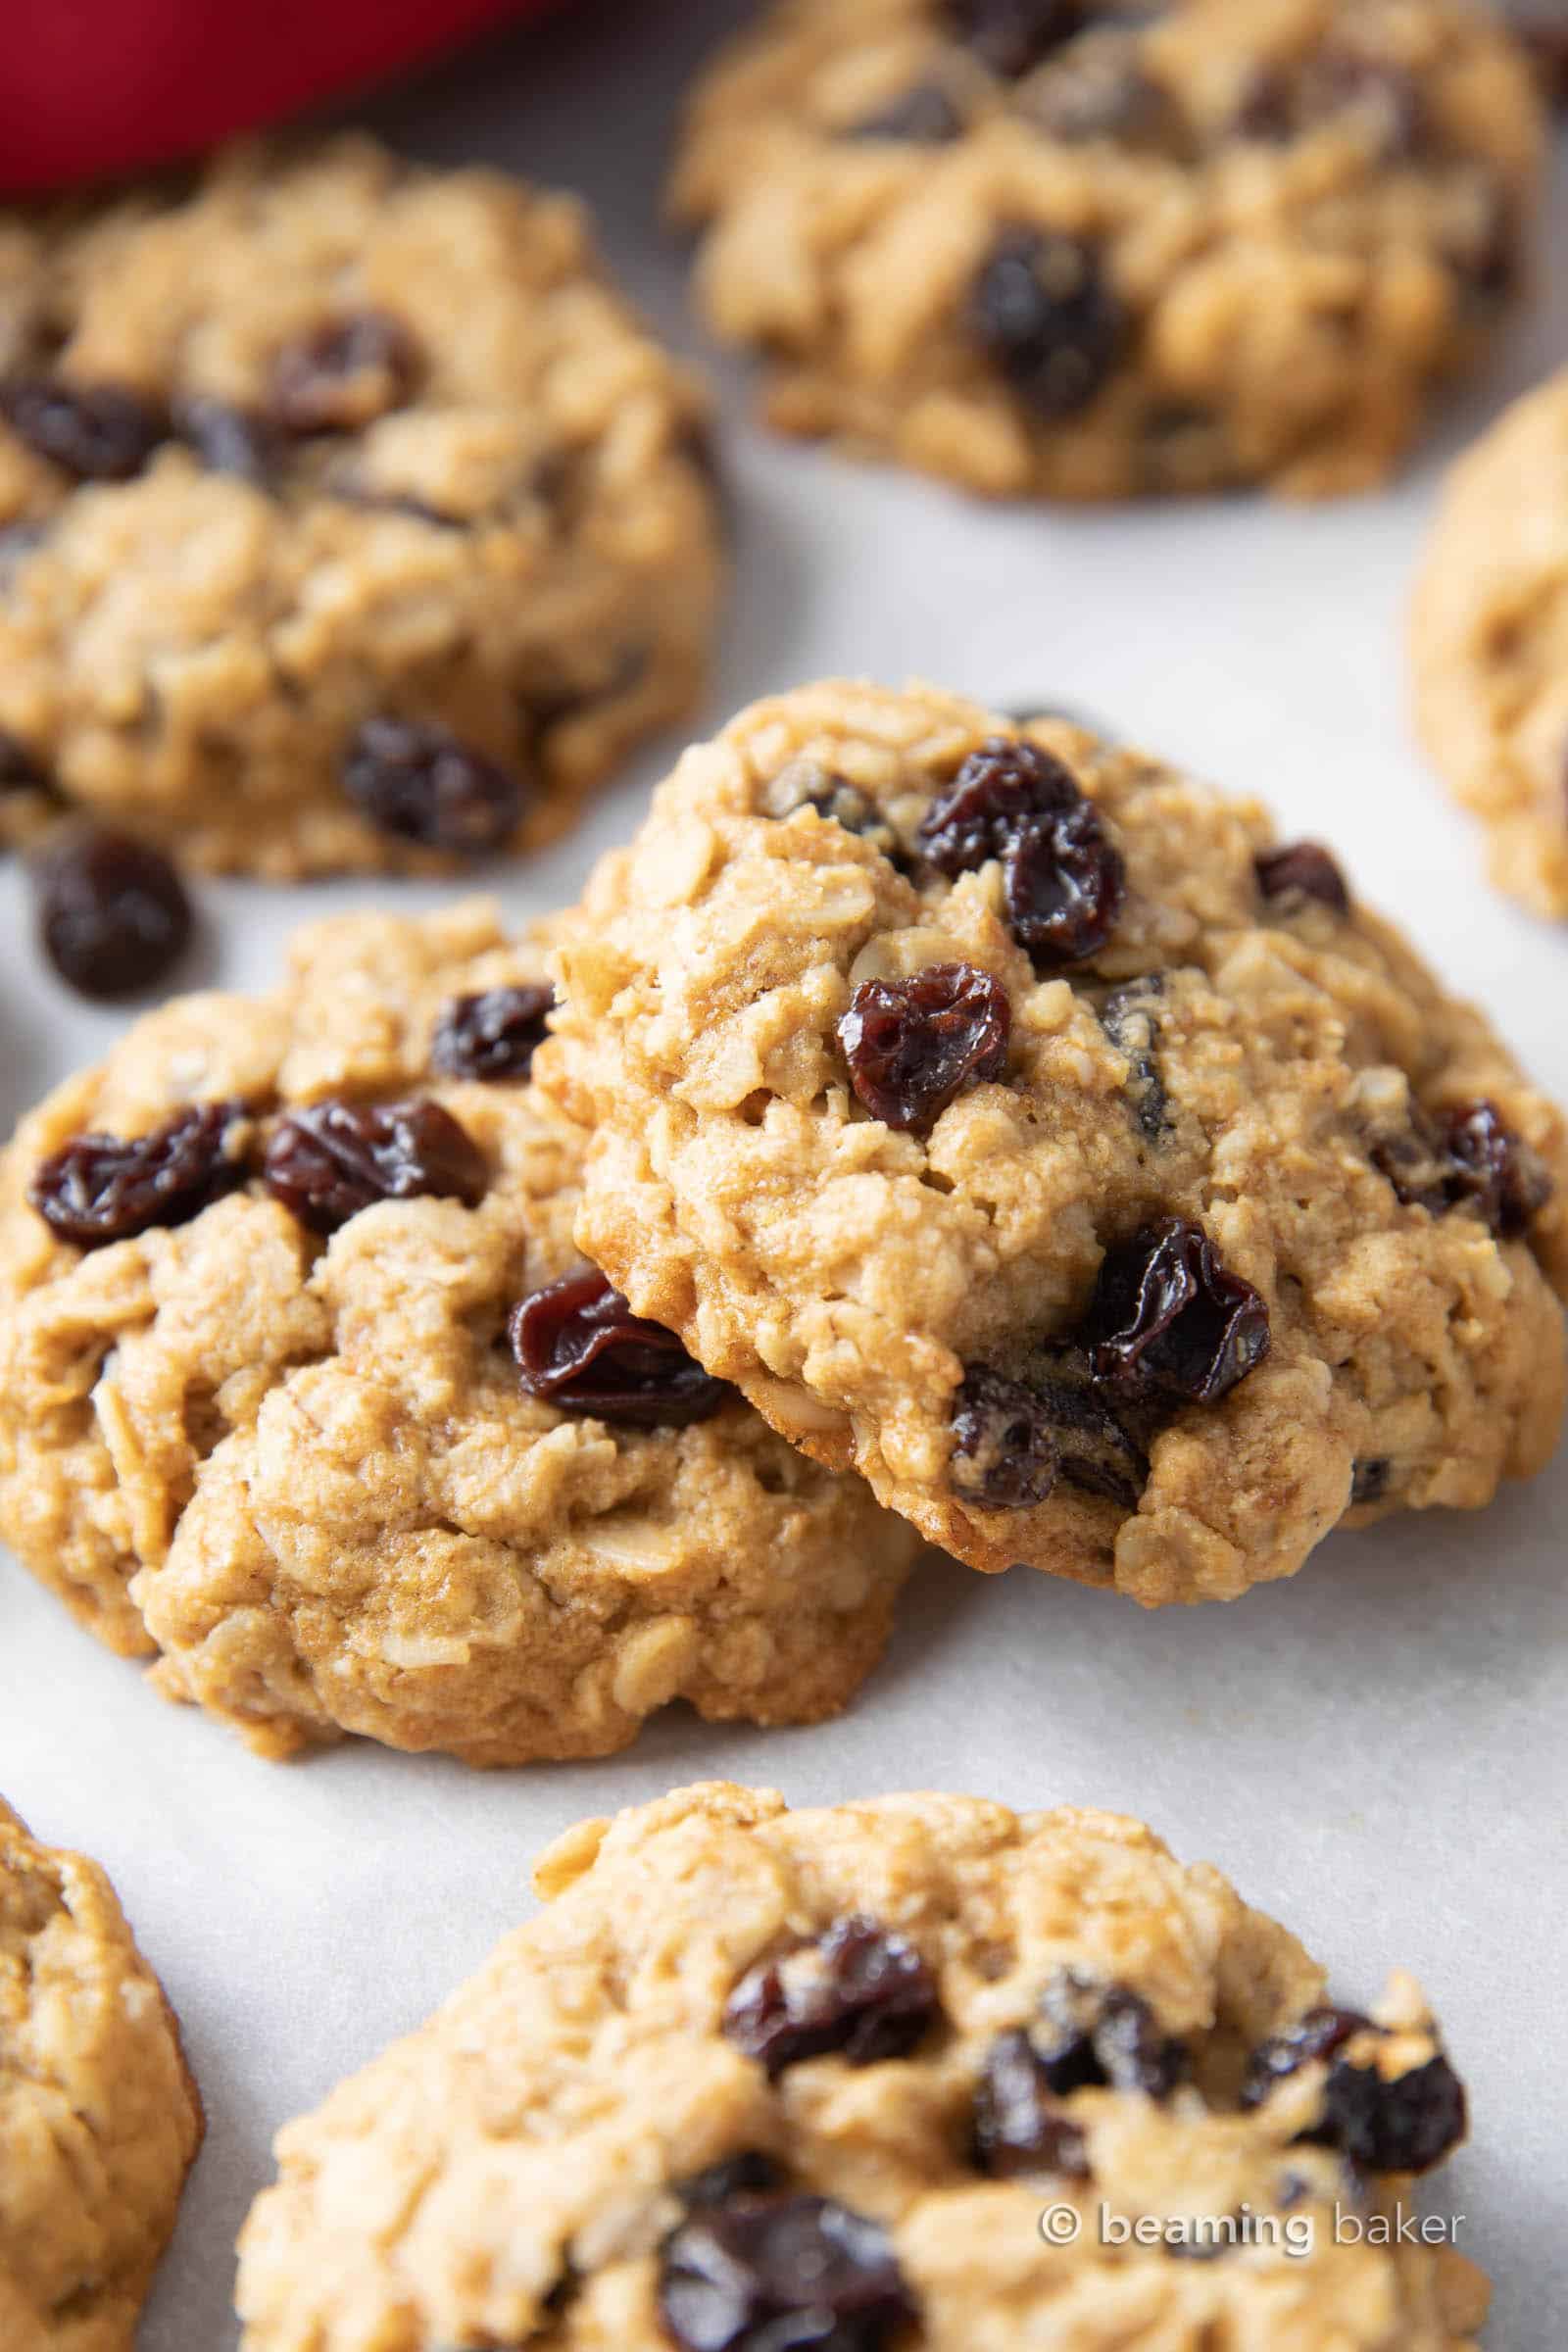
(99, 87)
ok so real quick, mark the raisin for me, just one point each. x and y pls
(1319, 2033)
(747, 2173)
(1043, 306)
(416, 781)
(328, 1161)
(923, 116)
(1466, 1158)
(858, 1992)
(494, 1033)
(99, 1187)
(765, 2274)
(1168, 1321)
(347, 373)
(1132, 1024)
(1095, 2034)
(1401, 2126)
(579, 1346)
(1063, 882)
(98, 433)
(226, 439)
(1005, 1453)
(1011, 36)
(20, 771)
(1302, 869)
(1369, 1480)
(914, 1046)
(112, 914)
(1019, 2127)
(1406, 2126)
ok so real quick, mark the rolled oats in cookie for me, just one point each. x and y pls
(99, 2118)
(349, 518)
(305, 1391)
(1100, 249)
(879, 2078)
(1490, 644)
(1016, 1122)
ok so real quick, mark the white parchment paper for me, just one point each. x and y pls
(1375, 1751)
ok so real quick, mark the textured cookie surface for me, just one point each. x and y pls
(738, 2038)
(1490, 644)
(333, 443)
(1015, 1121)
(99, 2118)
(301, 1464)
(1105, 248)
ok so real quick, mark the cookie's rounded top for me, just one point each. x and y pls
(1016, 1122)
(869, 2044)
(260, 1410)
(337, 443)
(1098, 248)
(1490, 643)
(99, 2118)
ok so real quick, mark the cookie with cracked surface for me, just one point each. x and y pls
(349, 518)
(1100, 249)
(1017, 1123)
(1490, 644)
(749, 2064)
(99, 2118)
(304, 1387)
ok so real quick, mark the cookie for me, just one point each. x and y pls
(751, 2064)
(348, 516)
(1101, 249)
(1018, 1122)
(304, 1387)
(99, 2118)
(1490, 644)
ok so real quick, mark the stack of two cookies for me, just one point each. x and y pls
(1069, 1173)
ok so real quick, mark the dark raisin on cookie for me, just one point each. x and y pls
(228, 439)
(1401, 2123)
(111, 912)
(1093, 2033)
(1063, 881)
(1021, 2126)
(914, 1046)
(493, 1034)
(101, 1188)
(345, 375)
(765, 2273)
(1302, 869)
(1005, 1452)
(98, 433)
(858, 1991)
(419, 782)
(1542, 27)
(1370, 1478)
(1009, 36)
(20, 770)
(921, 117)
(1466, 1157)
(1168, 1322)
(579, 1347)
(1130, 1018)
(1043, 308)
(749, 2172)
(332, 1159)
